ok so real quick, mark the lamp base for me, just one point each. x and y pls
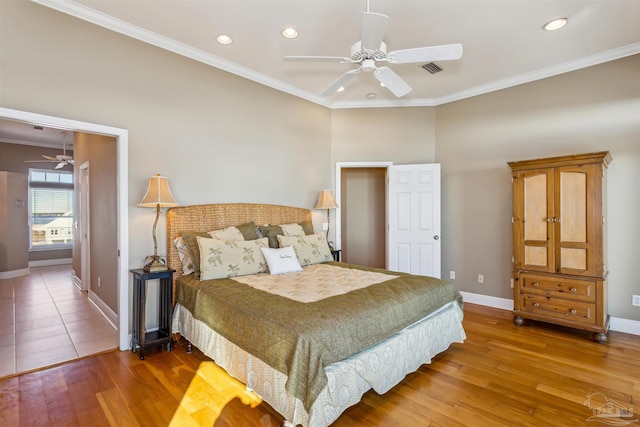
(155, 264)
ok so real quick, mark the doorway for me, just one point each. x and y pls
(85, 228)
(363, 216)
(122, 137)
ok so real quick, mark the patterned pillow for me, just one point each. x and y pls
(293, 229)
(311, 249)
(185, 256)
(190, 240)
(228, 233)
(230, 258)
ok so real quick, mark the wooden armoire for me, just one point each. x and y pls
(559, 241)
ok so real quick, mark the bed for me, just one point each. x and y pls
(305, 345)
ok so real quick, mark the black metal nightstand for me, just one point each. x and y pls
(336, 254)
(162, 336)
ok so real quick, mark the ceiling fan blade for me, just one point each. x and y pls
(340, 82)
(70, 161)
(317, 59)
(374, 25)
(55, 159)
(392, 81)
(40, 161)
(426, 54)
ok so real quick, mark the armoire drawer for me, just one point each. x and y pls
(575, 311)
(562, 287)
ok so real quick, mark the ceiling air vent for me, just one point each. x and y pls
(38, 127)
(432, 68)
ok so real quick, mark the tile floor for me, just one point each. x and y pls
(45, 319)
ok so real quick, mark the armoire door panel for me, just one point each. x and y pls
(573, 259)
(535, 207)
(573, 207)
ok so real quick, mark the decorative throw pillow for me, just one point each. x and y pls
(311, 249)
(230, 258)
(184, 255)
(228, 233)
(281, 260)
(248, 230)
(294, 229)
(190, 239)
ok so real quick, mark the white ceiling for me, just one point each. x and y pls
(503, 40)
(504, 44)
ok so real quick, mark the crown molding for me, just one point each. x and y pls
(98, 18)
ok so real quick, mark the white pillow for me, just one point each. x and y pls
(230, 258)
(311, 249)
(281, 260)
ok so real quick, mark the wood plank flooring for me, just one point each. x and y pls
(503, 375)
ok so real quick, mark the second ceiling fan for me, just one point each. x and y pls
(371, 50)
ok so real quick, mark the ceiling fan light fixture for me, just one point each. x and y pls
(555, 24)
(224, 39)
(289, 33)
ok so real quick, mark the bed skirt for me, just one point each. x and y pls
(380, 367)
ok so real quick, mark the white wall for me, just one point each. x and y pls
(595, 109)
(216, 136)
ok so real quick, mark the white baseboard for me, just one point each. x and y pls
(615, 323)
(15, 273)
(77, 282)
(486, 300)
(624, 325)
(109, 314)
(47, 262)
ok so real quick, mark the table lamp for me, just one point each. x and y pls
(158, 196)
(326, 201)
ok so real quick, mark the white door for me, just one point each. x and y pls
(85, 227)
(414, 219)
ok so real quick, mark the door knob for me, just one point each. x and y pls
(436, 237)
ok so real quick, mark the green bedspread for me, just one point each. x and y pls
(301, 339)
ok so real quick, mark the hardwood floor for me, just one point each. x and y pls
(503, 375)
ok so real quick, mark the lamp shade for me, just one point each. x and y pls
(158, 194)
(326, 200)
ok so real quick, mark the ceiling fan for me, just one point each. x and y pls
(62, 159)
(371, 50)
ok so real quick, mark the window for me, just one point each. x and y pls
(51, 208)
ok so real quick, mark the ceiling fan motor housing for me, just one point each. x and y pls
(358, 54)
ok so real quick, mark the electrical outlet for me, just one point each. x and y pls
(99, 284)
(452, 275)
(480, 278)
(635, 300)
(511, 283)
(325, 226)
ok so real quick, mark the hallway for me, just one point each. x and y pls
(46, 320)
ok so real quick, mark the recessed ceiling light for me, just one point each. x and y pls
(340, 89)
(382, 84)
(371, 95)
(224, 39)
(289, 33)
(555, 24)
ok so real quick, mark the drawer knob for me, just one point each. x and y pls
(573, 289)
(573, 311)
(535, 304)
(535, 284)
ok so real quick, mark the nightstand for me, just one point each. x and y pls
(336, 254)
(161, 336)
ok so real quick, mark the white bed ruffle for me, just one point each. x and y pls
(379, 367)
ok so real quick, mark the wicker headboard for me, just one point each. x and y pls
(215, 216)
